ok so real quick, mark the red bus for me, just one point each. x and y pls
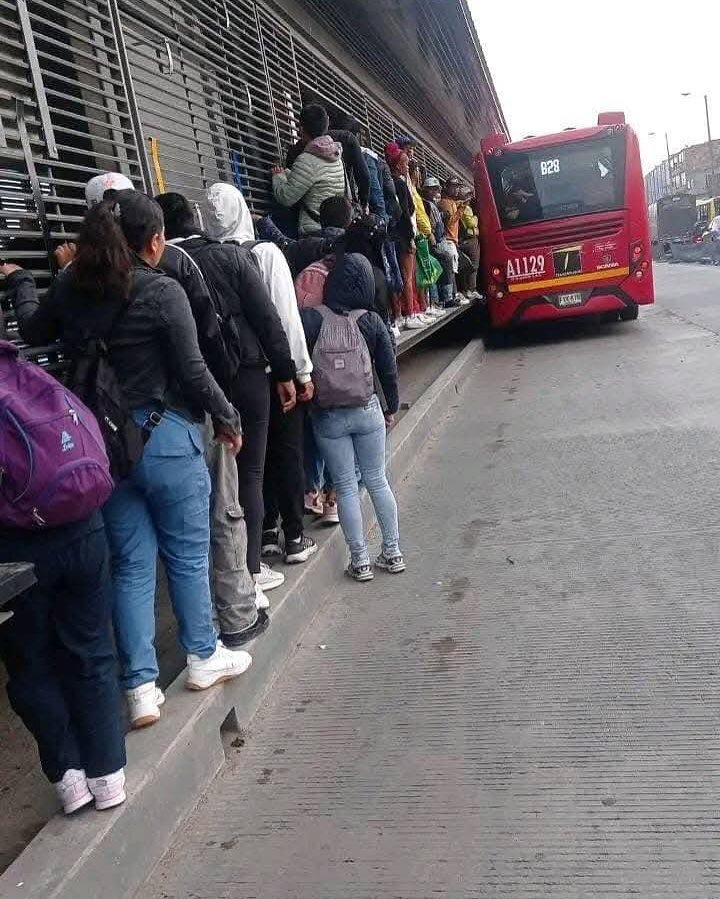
(564, 224)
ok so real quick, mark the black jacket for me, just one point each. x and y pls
(401, 228)
(180, 266)
(239, 292)
(303, 251)
(377, 338)
(353, 160)
(392, 207)
(153, 348)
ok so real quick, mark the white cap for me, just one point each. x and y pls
(96, 187)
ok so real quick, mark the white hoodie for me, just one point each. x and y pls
(227, 218)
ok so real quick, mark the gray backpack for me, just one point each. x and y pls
(342, 367)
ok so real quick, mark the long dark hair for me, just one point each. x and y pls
(366, 236)
(111, 233)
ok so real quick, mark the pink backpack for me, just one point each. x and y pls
(310, 283)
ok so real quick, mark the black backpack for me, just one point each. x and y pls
(93, 379)
(226, 314)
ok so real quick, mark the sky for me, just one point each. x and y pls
(557, 63)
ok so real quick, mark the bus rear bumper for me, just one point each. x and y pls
(545, 308)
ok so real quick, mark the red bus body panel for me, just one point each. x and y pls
(614, 246)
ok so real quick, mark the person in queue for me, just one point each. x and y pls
(257, 338)
(469, 244)
(335, 216)
(58, 652)
(240, 603)
(367, 236)
(113, 289)
(229, 220)
(345, 435)
(357, 177)
(442, 249)
(402, 233)
(316, 173)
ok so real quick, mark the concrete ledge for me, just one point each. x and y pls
(110, 854)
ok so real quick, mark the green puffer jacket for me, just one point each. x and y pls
(316, 174)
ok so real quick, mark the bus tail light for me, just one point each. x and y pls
(497, 288)
(638, 264)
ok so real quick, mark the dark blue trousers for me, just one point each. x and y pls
(58, 650)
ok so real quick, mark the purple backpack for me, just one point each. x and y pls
(53, 466)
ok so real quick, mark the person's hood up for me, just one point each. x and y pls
(351, 283)
(324, 147)
(226, 214)
(96, 187)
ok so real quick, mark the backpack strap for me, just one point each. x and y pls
(188, 256)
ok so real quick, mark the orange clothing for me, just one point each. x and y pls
(452, 228)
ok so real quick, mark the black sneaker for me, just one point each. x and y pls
(300, 550)
(393, 564)
(360, 572)
(235, 641)
(271, 543)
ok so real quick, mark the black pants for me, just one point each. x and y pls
(284, 469)
(58, 651)
(251, 397)
(467, 279)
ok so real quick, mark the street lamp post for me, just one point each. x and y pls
(667, 150)
(709, 136)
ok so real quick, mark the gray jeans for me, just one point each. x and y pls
(232, 583)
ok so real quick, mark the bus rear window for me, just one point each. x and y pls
(576, 178)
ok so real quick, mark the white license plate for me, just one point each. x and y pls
(570, 299)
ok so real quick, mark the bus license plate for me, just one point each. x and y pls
(570, 299)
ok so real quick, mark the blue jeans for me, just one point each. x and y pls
(317, 475)
(164, 506)
(347, 435)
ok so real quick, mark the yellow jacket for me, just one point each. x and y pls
(421, 216)
(469, 221)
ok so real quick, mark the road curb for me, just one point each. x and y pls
(170, 765)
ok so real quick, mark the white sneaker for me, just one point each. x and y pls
(268, 578)
(224, 664)
(414, 323)
(109, 790)
(261, 600)
(433, 312)
(144, 704)
(396, 332)
(73, 791)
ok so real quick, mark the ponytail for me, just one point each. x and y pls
(103, 264)
(113, 233)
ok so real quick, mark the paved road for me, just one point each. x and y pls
(532, 710)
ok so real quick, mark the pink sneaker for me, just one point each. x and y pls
(73, 791)
(109, 790)
(313, 503)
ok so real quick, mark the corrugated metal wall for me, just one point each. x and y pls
(176, 96)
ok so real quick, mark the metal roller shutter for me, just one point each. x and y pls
(203, 95)
(279, 52)
(66, 116)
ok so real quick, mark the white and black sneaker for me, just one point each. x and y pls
(393, 564)
(362, 572)
(270, 543)
(300, 550)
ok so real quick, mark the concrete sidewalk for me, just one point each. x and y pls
(171, 764)
(531, 710)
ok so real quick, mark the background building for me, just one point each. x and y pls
(694, 169)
